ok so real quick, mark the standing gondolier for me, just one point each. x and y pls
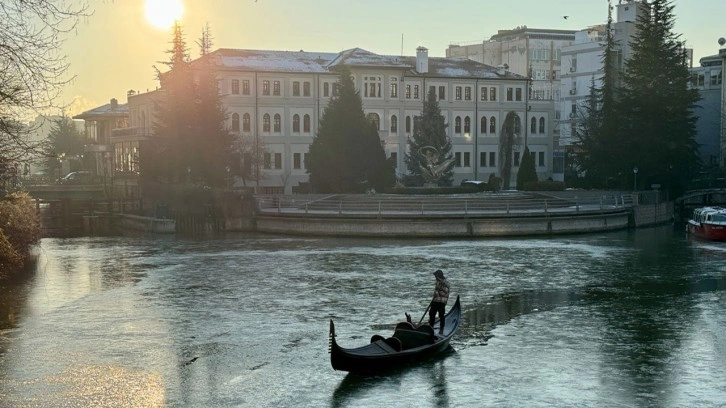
(441, 296)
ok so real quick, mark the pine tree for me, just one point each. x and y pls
(656, 105)
(508, 139)
(527, 172)
(346, 154)
(64, 140)
(429, 131)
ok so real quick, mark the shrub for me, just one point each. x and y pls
(547, 185)
(19, 231)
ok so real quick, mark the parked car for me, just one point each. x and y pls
(78, 177)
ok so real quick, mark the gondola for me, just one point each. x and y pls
(407, 345)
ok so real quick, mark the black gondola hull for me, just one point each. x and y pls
(378, 356)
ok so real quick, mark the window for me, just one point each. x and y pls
(408, 124)
(442, 93)
(306, 123)
(542, 125)
(415, 92)
(492, 125)
(306, 88)
(235, 122)
(518, 94)
(517, 125)
(541, 159)
(326, 89)
(457, 159)
(267, 161)
(483, 159)
(516, 159)
(457, 125)
(467, 159)
(245, 87)
(510, 94)
(467, 93)
(483, 124)
(408, 91)
(492, 159)
(394, 159)
(276, 88)
(458, 94)
(372, 86)
(483, 93)
(336, 89)
(296, 160)
(492, 94)
(266, 87)
(467, 126)
(394, 87)
(296, 123)
(432, 90)
(246, 122)
(533, 126)
(278, 123)
(296, 88)
(394, 124)
(305, 160)
(278, 160)
(266, 122)
(374, 119)
(235, 87)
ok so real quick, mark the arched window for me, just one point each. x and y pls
(246, 122)
(306, 123)
(493, 125)
(375, 119)
(296, 123)
(457, 124)
(467, 125)
(394, 124)
(278, 123)
(542, 125)
(483, 124)
(266, 122)
(235, 122)
(533, 126)
(408, 124)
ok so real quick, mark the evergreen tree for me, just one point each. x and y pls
(64, 140)
(508, 138)
(656, 105)
(190, 141)
(346, 154)
(527, 172)
(429, 130)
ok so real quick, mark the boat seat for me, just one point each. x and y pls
(404, 325)
(376, 337)
(394, 343)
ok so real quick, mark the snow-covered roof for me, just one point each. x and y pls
(109, 109)
(323, 62)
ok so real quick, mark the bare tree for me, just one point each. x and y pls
(32, 70)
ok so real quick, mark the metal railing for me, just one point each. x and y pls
(437, 205)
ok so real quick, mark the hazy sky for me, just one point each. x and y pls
(116, 48)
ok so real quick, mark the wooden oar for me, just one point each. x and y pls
(427, 310)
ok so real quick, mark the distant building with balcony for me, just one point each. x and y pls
(100, 122)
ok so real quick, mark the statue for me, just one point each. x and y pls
(432, 170)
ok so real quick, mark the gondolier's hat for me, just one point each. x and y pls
(439, 274)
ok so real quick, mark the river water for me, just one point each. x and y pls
(628, 318)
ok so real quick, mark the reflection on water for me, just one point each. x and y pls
(631, 318)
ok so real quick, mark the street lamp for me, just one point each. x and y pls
(635, 178)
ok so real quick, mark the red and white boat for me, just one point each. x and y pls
(708, 223)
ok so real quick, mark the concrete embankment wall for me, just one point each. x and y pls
(652, 214)
(447, 226)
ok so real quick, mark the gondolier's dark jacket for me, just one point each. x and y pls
(441, 291)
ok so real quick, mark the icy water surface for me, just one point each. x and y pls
(619, 319)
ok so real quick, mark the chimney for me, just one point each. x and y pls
(114, 103)
(501, 70)
(422, 60)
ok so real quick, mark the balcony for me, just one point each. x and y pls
(130, 134)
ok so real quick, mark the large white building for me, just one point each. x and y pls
(276, 98)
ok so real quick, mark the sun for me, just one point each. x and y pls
(161, 14)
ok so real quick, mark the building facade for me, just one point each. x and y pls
(275, 99)
(708, 79)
